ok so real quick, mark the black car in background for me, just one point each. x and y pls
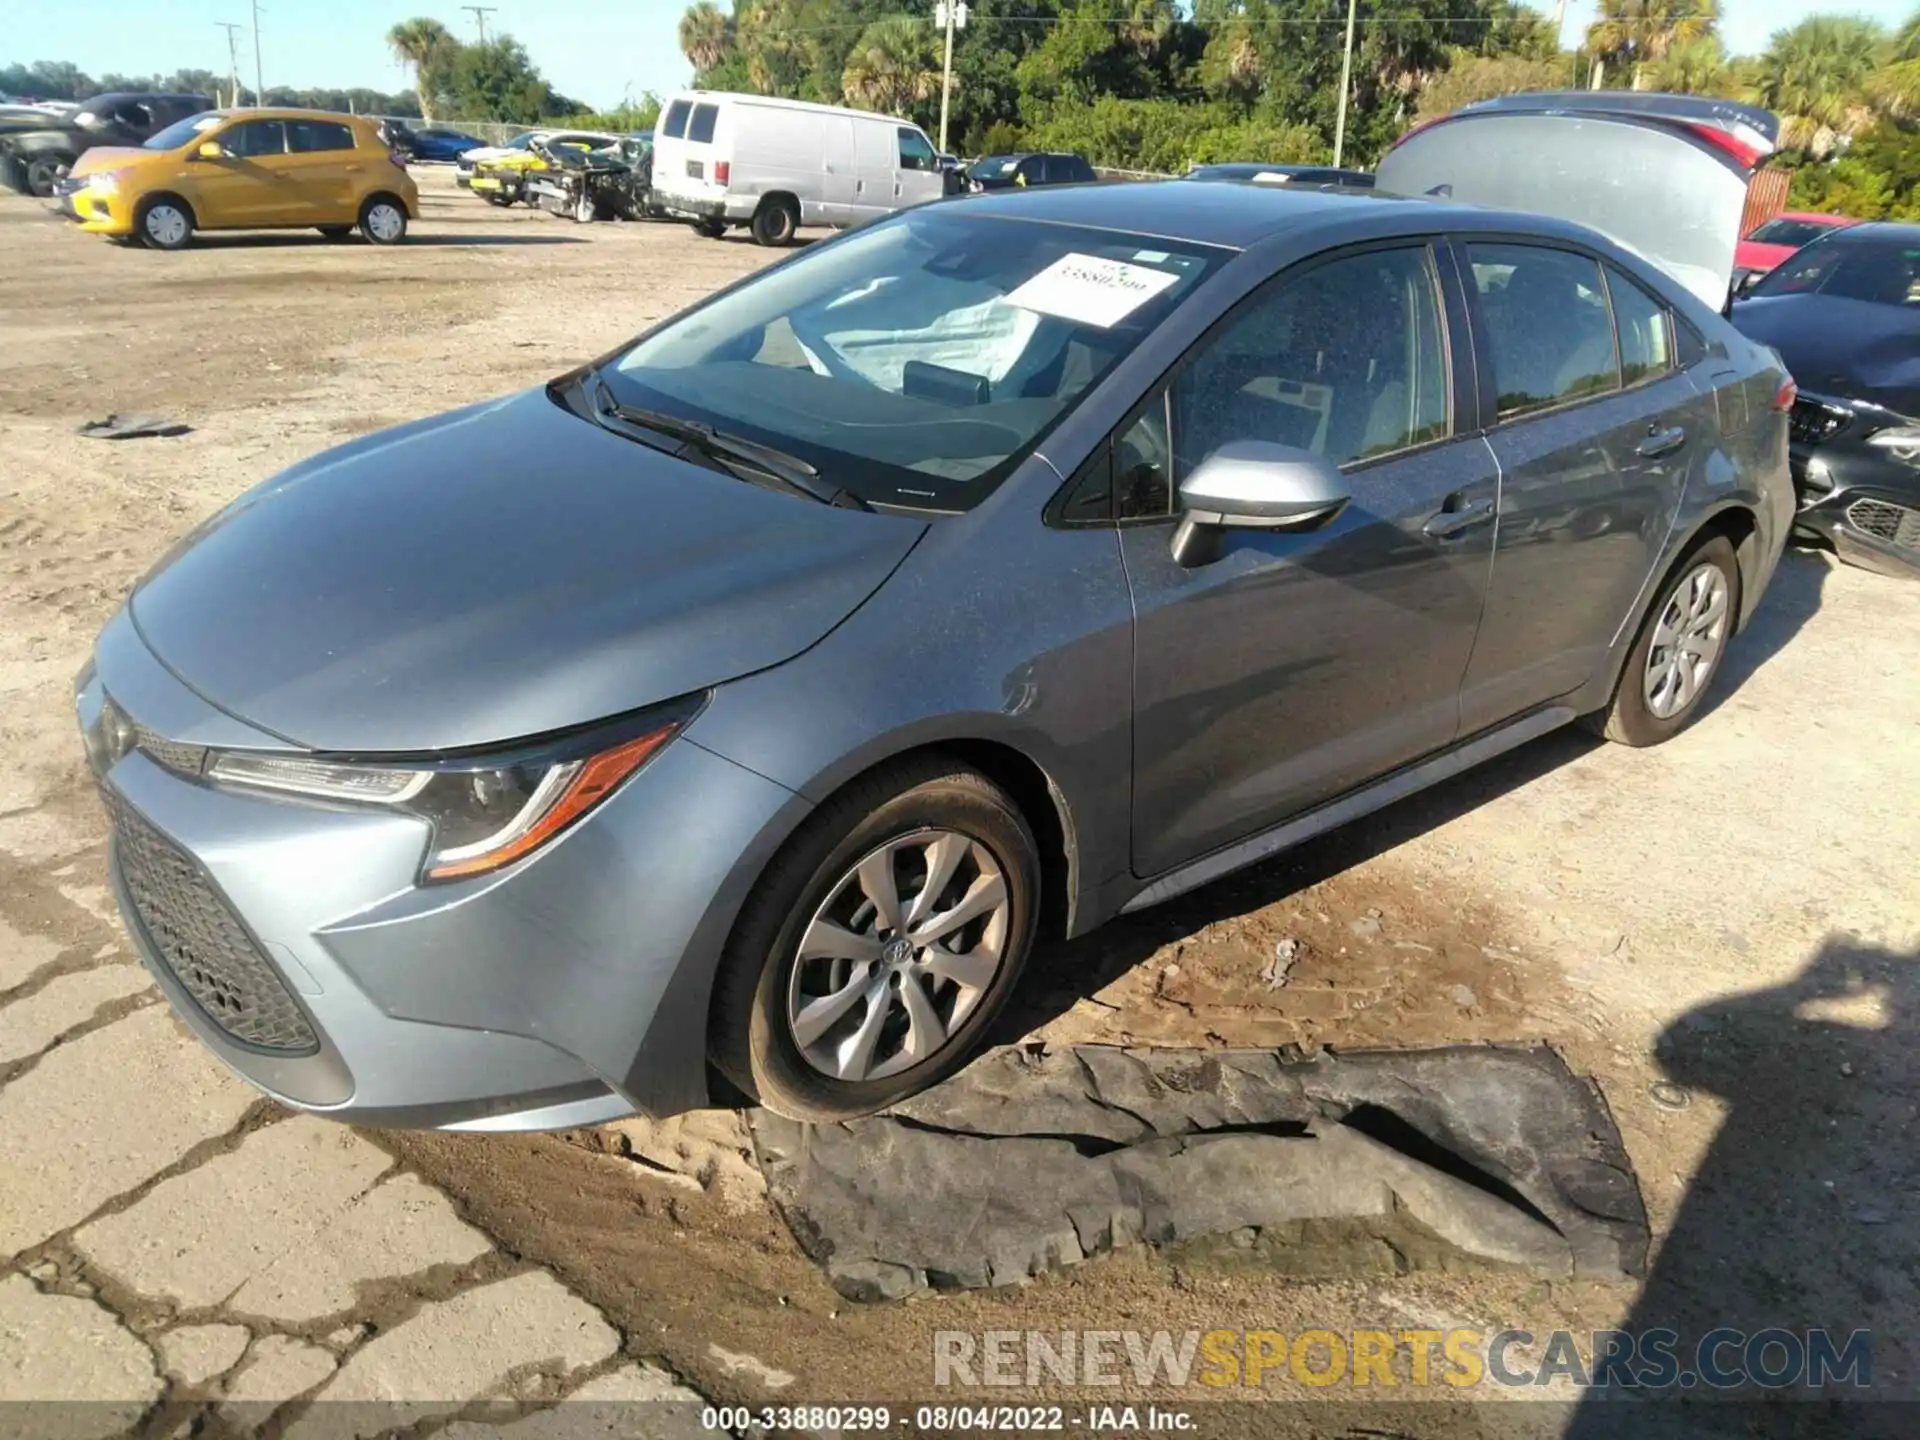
(1004, 172)
(1844, 313)
(1282, 174)
(34, 157)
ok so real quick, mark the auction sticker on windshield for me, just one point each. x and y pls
(1090, 290)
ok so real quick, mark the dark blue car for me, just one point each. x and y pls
(439, 144)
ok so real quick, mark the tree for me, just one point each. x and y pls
(1482, 77)
(891, 67)
(1638, 32)
(1816, 75)
(498, 81)
(705, 35)
(427, 47)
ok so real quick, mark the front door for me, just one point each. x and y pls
(1592, 469)
(1296, 666)
(918, 177)
(252, 183)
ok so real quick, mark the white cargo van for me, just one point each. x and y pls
(774, 165)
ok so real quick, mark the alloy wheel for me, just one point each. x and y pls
(902, 951)
(1687, 641)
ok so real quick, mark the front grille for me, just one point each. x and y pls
(202, 940)
(1812, 421)
(181, 759)
(1886, 521)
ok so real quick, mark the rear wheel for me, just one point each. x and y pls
(164, 222)
(879, 945)
(383, 220)
(775, 222)
(1679, 649)
(712, 229)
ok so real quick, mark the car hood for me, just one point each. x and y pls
(496, 573)
(1847, 349)
(101, 158)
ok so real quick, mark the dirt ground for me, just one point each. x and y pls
(1737, 912)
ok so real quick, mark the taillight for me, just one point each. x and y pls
(1784, 397)
(722, 171)
(1748, 155)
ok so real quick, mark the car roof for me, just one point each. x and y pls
(1894, 230)
(1238, 213)
(1813, 215)
(294, 112)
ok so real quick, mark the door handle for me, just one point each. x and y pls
(1451, 522)
(1660, 442)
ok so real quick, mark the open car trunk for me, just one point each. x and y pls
(1664, 175)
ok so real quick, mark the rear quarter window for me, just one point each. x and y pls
(700, 126)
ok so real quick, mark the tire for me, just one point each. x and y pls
(907, 821)
(1662, 686)
(585, 209)
(164, 222)
(712, 229)
(494, 197)
(336, 232)
(42, 173)
(383, 220)
(775, 222)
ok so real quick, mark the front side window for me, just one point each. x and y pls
(306, 137)
(1546, 322)
(1788, 232)
(700, 127)
(915, 361)
(1645, 349)
(916, 151)
(1879, 272)
(256, 138)
(1344, 359)
(676, 126)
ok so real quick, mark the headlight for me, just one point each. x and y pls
(486, 811)
(1902, 442)
(107, 182)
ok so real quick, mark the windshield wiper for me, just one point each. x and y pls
(788, 470)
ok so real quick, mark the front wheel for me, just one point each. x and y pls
(43, 173)
(383, 221)
(1679, 649)
(164, 223)
(879, 945)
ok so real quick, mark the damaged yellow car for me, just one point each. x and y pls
(501, 178)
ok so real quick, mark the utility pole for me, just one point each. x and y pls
(233, 29)
(1346, 78)
(949, 14)
(259, 79)
(480, 13)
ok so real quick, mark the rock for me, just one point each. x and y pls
(1464, 997)
(1366, 927)
(1276, 970)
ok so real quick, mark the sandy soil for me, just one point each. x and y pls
(1738, 910)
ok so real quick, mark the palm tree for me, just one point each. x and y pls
(1816, 77)
(1896, 88)
(1697, 67)
(704, 38)
(428, 47)
(890, 67)
(1644, 31)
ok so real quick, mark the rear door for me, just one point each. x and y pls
(1593, 435)
(1295, 666)
(325, 163)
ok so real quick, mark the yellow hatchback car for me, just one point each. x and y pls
(245, 170)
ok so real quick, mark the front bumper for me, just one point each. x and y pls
(94, 212)
(1857, 498)
(565, 990)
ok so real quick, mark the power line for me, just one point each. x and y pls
(480, 13)
(233, 29)
(259, 77)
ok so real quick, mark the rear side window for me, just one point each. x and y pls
(1645, 347)
(676, 126)
(916, 151)
(1545, 317)
(1032, 169)
(700, 127)
(256, 137)
(1068, 168)
(306, 137)
(1344, 360)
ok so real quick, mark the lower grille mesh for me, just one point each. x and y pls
(202, 940)
(1884, 520)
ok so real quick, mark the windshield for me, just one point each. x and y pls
(1789, 232)
(994, 166)
(182, 131)
(916, 361)
(1878, 271)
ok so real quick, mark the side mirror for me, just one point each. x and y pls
(1254, 485)
(210, 150)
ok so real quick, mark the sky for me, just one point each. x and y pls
(598, 51)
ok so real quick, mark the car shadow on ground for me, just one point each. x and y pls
(270, 240)
(1800, 1216)
(1059, 974)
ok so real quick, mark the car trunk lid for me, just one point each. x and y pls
(1663, 175)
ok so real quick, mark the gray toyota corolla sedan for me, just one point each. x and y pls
(758, 696)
